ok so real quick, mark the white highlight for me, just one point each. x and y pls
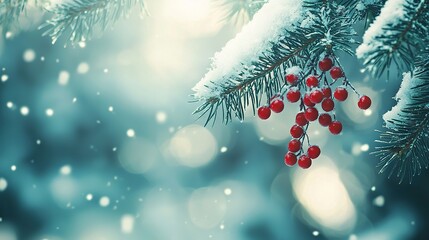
(49, 112)
(82, 68)
(268, 25)
(29, 55)
(127, 224)
(89, 196)
(323, 195)
(63, 78)
(104, 201)
(161, 117)
(193, 146)
(3, 184)
(24, 110)
(379, 201)
(66, 170)
(131, 133)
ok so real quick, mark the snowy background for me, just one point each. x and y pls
(98, 142)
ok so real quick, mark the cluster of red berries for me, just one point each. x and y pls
(317, 94)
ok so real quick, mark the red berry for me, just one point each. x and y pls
(325, 64)
(316, 96)
(341, 94)
(290, 159)
(294, 145)
(307, 101)
(328, 104)
(312, 81)
(296, 131)
(335, 127)
(313, 152)
(336, 72)
(325, 119)
(291, 78)
(327, 92)
(311, 114)
(293, 95)
(364, 102)
(277, 105)
(300, 119)
(264, 112)
(304, 162)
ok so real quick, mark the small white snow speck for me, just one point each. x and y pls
(24, 110)
(88, 197)
(367, 112)
(316, 233)
(49, 112)
(161, 117)
(127, 223)
(8, 35)
(114, 149)
(353, 237)
(38, 141)
(82, 44)
(222, 227)
(3, 184)
(131, 133)
(42, 58)
(373, 188)
(223, 149)
(63, 78)
(379, 201)
(9, 104)
(227, 191)
(364, 147)
(4, 77)
(106, 70)
(110, 109)
(29, 55)
(104, 201)
(82, 68)
(74, 100)
(66, 170)
(13, 168)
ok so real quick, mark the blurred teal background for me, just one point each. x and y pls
(98, 141)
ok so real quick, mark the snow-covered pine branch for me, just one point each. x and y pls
(396, 35)
(81, 19)
(405, 143)
(284, 33)
(10, 10)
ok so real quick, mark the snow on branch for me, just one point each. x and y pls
(394, 35)
(81, 19)
(268, 25)
(284, 33)
(404, 146)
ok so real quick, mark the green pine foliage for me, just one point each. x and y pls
(404, 146)
(10, 10)
(331, 30)
(80, 20)
(76, 20)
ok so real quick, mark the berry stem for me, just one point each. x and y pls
(345, 81)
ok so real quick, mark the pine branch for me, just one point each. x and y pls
(238, 11)
(301, 44)
(404, 146)
(80, 20)
(10, 10)
(395, 36)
